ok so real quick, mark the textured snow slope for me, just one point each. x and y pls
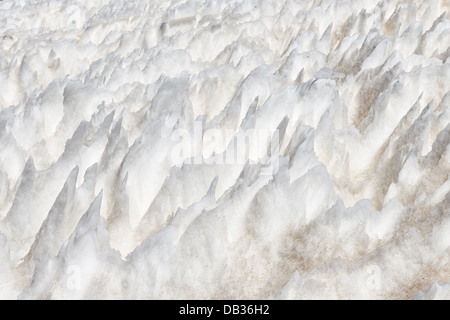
(124, 171)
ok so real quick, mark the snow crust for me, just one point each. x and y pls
(117, 117)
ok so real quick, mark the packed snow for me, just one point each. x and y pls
(208, 149)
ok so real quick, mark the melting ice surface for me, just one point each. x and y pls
(129, 168)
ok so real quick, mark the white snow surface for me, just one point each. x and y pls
(97, 202)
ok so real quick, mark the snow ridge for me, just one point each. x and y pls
(129, 166)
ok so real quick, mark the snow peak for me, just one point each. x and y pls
(207, 311)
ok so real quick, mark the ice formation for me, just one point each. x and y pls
(128, 167)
